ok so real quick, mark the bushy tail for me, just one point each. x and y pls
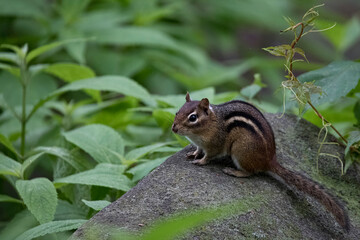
(315, 190)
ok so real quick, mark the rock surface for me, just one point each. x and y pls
(178, 185)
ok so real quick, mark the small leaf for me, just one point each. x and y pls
(279, 51)
(9, 166)
(301, 52)
(51, 227)
(28, 162)
(103, 143)
(357, 111)
(104, 174)
(45, 48)
(6, 198)
(143, 169)
(63, 154)
(40, 197)
(9, 57)
(142, 151)
(354, 137)
(96, 205)
(7, 143)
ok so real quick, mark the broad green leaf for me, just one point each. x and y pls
(96, 205)
(105, 83)
(51, 227)
(7, 143)
(66, 211)
(45, 48)
(20, 223)
(103, 143)
(143, 169)
(9, 166)
(250, 91)
(134, 36)
(6, 198)
(336, 80)
(117, 84)
(63, 154)
(104, 174)
(28, 162)
(20, 8)
(178, 224)
(70, 72)
(142, 151)
(39, 196)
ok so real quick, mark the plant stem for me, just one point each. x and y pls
(24, 82)
(296, 40)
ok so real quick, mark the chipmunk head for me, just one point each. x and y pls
(193, 117)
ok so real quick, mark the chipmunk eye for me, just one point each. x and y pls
(192, 118)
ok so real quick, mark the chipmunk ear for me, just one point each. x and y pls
(204, 105)
(188, 99)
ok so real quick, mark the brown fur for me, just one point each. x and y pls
(239, 130)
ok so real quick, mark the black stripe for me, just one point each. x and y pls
(242, 102)
(241, 124)
(246, 116)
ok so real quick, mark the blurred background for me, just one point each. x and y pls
(169, 47)
(173, 46)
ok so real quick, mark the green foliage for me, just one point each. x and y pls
(51, 227)
(89, 90)
(42, 204)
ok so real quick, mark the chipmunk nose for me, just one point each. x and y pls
(174, 128)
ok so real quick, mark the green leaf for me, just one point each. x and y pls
(40, 197)
(20, 8)
(104, 174)
(279, 51)
(7, 143)
(163, 118)
(336, 80)
(103, 143)
(354, 137)
(63, 154)
(28, 162)
(45, 48)
(178, 100)
(51, 227)
(179, 224)
(6, 198)
(135, 36)
(20, 223)
(66, 211)
(357, 111)
(143, 169)
(9, 57)
(117, 84)
(96, 205)
(70, 72)
(9, 166)
(142, 151)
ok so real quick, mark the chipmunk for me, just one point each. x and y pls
(239, 130)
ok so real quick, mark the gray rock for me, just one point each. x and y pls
(284, 213)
